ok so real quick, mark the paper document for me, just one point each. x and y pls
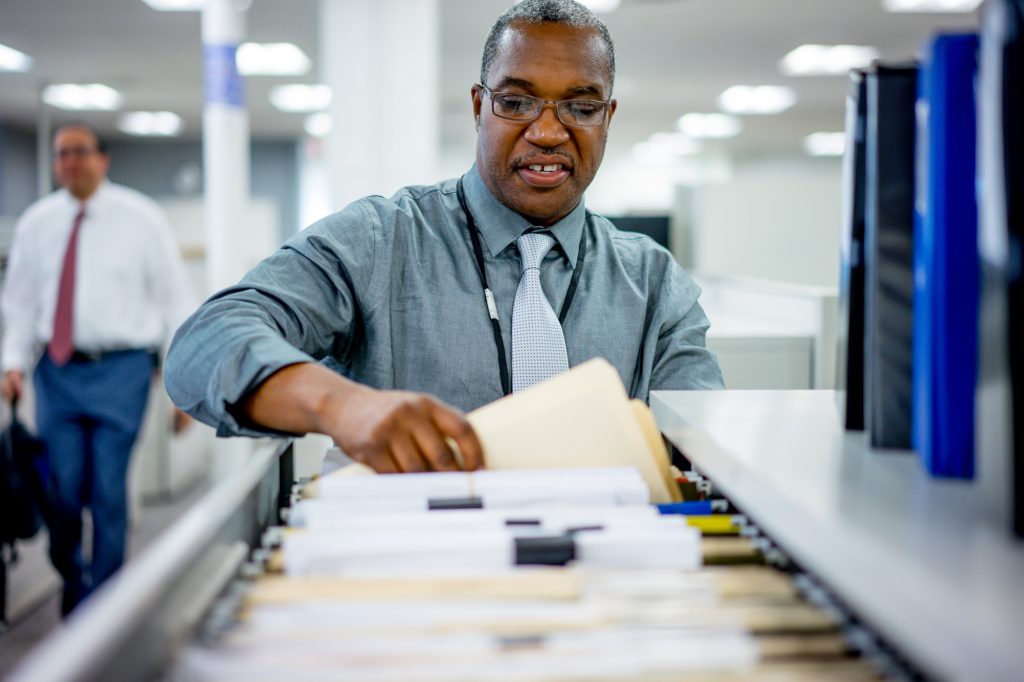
(661, 542)
(607, 486)
(581, 418)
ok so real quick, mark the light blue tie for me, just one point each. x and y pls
(538, 346)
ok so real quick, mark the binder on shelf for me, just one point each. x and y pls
(1013, 152)
(945, 258)
(850, 325)
(889, 262)
(1000, 392)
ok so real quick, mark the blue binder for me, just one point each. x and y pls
(946, 273)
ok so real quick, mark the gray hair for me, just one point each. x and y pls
(565, 12)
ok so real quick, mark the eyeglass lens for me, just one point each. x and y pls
(68, 152)
(577, 112)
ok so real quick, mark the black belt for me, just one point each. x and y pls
(83, 356)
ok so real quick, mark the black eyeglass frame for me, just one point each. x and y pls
(605, 104)
(77, 152)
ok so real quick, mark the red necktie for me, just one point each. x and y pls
(62, 343)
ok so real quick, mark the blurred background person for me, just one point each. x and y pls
(94, 288)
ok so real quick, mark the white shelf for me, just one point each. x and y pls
(921, 560)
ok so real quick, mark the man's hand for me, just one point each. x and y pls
(394, 431)
(13, 384)
(390, 431)
(179, 421)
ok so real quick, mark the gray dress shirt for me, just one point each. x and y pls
(387, 291)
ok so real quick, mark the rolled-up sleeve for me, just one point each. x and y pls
(301, 304)
(19, 303)
(682, 360)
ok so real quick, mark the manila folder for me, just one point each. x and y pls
(581, 418)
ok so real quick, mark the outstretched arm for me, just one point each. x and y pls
(389, 431)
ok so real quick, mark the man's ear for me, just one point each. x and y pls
(477, 95)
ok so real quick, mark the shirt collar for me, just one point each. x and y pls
(72, 200)
(500, 226)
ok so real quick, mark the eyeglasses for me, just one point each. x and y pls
(524, 108)
(79, 152)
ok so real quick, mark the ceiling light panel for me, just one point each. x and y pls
(318, 124)
(601, 6)
(757, 99)
(665, 148)
(271, 59)
(14, 60)
(150, 123)
(176, 5)
(301, 98)
(825, 144)
(82, 97)
(703, 126)
(827, 60)
(932, 6)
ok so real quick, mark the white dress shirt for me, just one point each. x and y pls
(131, 287)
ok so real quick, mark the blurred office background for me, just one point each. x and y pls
(348, 97)
(727, 140)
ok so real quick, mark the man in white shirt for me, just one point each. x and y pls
(94, 288)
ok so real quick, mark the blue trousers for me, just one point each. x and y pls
(88, 414)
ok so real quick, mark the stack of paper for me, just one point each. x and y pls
(486, 488)
(485, 540)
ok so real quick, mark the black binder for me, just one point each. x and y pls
(1001, 240)
(889, 250)
(850, 323)
(1013, 155)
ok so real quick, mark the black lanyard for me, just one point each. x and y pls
(492, 309)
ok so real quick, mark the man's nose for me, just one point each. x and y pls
(547, 130)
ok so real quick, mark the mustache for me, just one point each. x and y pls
(526, 159)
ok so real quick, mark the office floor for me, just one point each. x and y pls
(39, 612)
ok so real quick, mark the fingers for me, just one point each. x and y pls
(180, 421)
(12, 385)
(394, 431)
(432, 444)
(406, 455)
(454, 425)
(380, 461)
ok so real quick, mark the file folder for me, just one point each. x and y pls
(889, 241)
(946, 258)
(580, 418)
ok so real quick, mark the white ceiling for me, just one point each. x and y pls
(674, 56)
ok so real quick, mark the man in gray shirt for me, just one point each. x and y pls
(422, 305)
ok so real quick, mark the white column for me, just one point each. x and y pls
(225, 143)
(381, 59)
(225, 175)
(44, 152)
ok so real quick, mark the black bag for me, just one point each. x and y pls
(24, 472)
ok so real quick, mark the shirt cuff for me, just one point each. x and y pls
(260, 359)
